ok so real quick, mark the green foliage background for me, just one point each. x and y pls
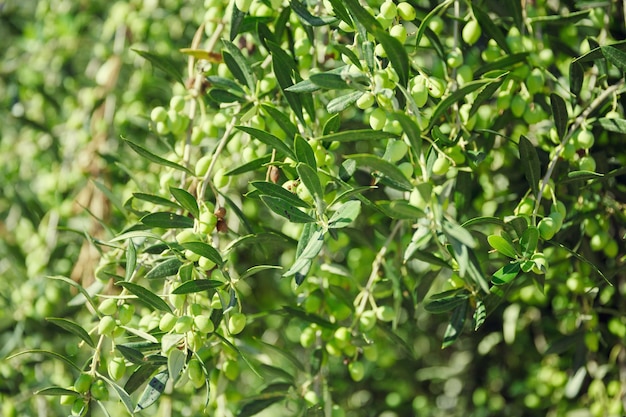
(448, 250)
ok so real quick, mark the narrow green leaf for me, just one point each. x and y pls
(236, 20)
(164, 63)
(362, 16)
(489, 28)
(480, 314)
(269, 139)
(428, 258)
(411, 130)
(396, 54)
(330, 81)
(434, 12)
(311, 181)
(225, 84)
(47, 353)
(204, 249)
(165, 269)
(502, 245)
(484, 220)
(255, 406)
(286, 209)
(486, 94)
(530, 163)
(576, 77)
(175, 363)
(131, 260)
(238, 65)
(406, 209)
(250, 166)
(612, 125)
(345, 214)
(528, 241)
(456, 96)
(167, 220)
(121, 393)
(357, 135)
(304, 152)
(77, 286)
(222, 96)
(455, 325)
(257, 240)
(459, 233)
(197, 285)
(386, 168)
(559, 111)
(155, 199)
(57, 391)
(153, 391)
(308, 317)
(281, 118)
(283, 66)
(339, 104)
(306, 17)
(146, 296)
(340, 11)
(141, 375)
(583, 175)
(560, 19)
(304, 86)
(154, 158)
(131, 354)
(615, 57)
(582, 259)
(506, 274)
(446, 301)
(256, 269)
(73, 328)
(354, 59)
(274, 190)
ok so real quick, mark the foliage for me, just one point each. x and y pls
(299, 220)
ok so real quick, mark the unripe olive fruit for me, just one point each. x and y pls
(220, 180)
(99, 390)
(587, 163)
(343, 336)
(106, 326)
(183, 324)
(419, 91)
(83, 383)
(356, 370)
(307, 337)
(167, 322)
(388, 10)
(158, 114)
(441, 165)
(385, 313)
(471, 32)
(365, 101)
(518, 105)
(454, 58)
(398, 32)
(125, 313)
(547, 228)
(436, 87)
(535, 81)
(208, 221)
(599, 240)
(116, 368)
(108, 307)
(585, 139)
(236, 323)
(243, 5)
(177, 103)
(367, 321)
(378, 118)
(396, 150)
(204, 324)
(611, 249)
(406, 11)
(195, 373)
(231, 369)
(202, 166)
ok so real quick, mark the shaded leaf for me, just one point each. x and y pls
(342, 102)
(446, 301)
(396, 54)
(345, 214)
(455, 325)
(269, 139)
(47, 353)
(274, 190)
(131, 260)
(167, 268)
(238, 65)
(330, 81)
(489, 28)
(155, 199)
(236, 20)
(615, 57)
(256, 269)
(56, 391)
(283, 66)
(146, 296)
(530, 163)
(167, 220)
(311, 181)
(286, 209)
(197, 285)
(141, 375)
(308, 317)
(164, 63)
(304, 152)
(559, 111)
(411, 130)
(357, 135)
(528, 241)
(576, 77)
(281, 118)
(304, 14)
(456, 96)
(250, 166)
(204, 249)
(155, 158)
(73, 328)
(131, 354)
(386, 168)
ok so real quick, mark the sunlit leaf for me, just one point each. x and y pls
(155, 158)
(167, 220)
(506, 274)
(145, 296)
(153, 391)
(530, 163)
(286, 209)
(455, 325)
(197, 285)
(167, 268)
(73, 328)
